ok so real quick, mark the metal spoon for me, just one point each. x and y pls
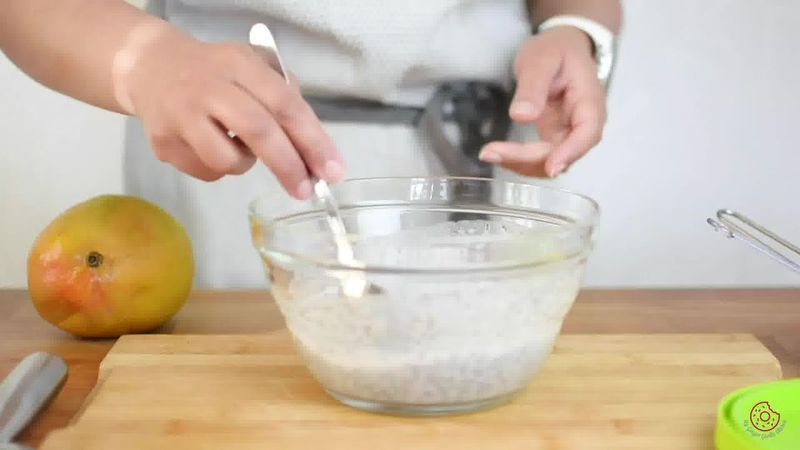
(353, 284)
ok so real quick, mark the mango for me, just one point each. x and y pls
(109, 266)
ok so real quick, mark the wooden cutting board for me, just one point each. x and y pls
(607, 392)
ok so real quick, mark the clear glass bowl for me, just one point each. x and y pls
(474, 279)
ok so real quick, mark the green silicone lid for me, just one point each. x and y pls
(765, 416)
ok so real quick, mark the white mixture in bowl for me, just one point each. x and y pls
(429, 339)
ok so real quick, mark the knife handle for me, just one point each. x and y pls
(27, 389)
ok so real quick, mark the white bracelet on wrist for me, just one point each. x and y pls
(602, 38)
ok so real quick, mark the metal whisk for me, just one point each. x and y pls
(738, 226)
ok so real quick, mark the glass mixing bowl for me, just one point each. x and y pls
(472, 277)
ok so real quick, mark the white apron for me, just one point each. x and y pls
(396, 52)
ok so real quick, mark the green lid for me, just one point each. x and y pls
(764, 416)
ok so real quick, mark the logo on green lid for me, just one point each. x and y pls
(764, 421)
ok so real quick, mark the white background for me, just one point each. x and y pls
(704, 115)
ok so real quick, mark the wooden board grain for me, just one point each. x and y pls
(246, 392)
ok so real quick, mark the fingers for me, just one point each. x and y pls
(564, 143)
(584, 108)
(188, 163)
(178, 153)
(524, 158)
(536, 70)
(237, 111)
(215, 149)
(586, 131)
(263, 138)
(211, 90)
(298, 121)
(277, 152)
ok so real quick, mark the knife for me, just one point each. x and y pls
(25, 391)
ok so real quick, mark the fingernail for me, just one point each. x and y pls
(489, 157)
(334, 171)
(304, 189)
(522, 108)
(557, 170)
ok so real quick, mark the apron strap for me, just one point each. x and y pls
(335, 109)
(457, 120)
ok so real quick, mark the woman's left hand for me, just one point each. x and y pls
(558, 91)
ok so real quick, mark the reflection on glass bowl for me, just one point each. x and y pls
(475, 277)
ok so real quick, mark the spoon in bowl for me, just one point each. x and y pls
(353, 283)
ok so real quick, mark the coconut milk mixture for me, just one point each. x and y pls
(425, 340)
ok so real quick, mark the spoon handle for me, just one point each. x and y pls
(262, 39)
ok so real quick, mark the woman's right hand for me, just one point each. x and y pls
(189, 94)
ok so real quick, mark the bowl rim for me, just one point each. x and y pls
(334, 265)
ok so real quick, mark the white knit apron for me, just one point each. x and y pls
(394, 51)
